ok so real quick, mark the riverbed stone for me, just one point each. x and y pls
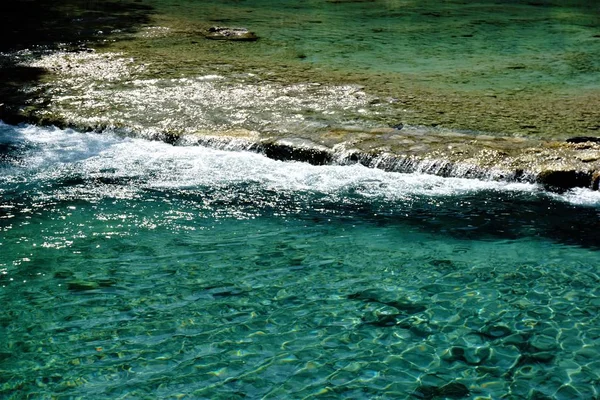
(452, 390)
(295, 149)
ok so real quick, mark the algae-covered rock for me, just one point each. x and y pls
(307, 122)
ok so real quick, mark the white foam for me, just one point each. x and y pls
(580, 196)
(154, 164)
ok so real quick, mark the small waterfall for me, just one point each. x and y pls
(220, 143)
(304, 150)
(439, 167)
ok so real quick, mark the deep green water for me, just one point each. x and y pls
(136, 269)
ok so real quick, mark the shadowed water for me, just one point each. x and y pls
(136, 268)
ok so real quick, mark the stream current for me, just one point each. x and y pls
(132, 268)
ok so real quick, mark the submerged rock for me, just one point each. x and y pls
(384, 321)
(494, 332)
(405, 307)
(470, 356)
(452, 390)
(82, 286)
(225, 33)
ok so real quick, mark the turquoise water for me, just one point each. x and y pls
(137, 269)
(131, 268)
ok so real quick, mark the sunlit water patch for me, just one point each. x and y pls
(130, 267)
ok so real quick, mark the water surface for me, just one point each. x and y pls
(132, 268)
(487, 45)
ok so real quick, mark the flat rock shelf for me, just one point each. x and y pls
(556, 165)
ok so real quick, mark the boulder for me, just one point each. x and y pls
(225, 33)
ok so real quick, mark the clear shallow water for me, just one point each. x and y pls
(506, 68)
(135, 268)
(483, 45)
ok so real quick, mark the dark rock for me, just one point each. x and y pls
(360, 158)
(107, 282)
(457, 353)
(543, 357)
(537, 395)
(225, 33)
(443, 266)
(519, 340)
(496, 372)
(564, 180)
(419, 330)
(228, 293)
(407, 308)
(63, 274)
(425, 392)
(471, 356)
(454, 390)
(530, 359)
(583, 139)
(366, 296)
(291, 152)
